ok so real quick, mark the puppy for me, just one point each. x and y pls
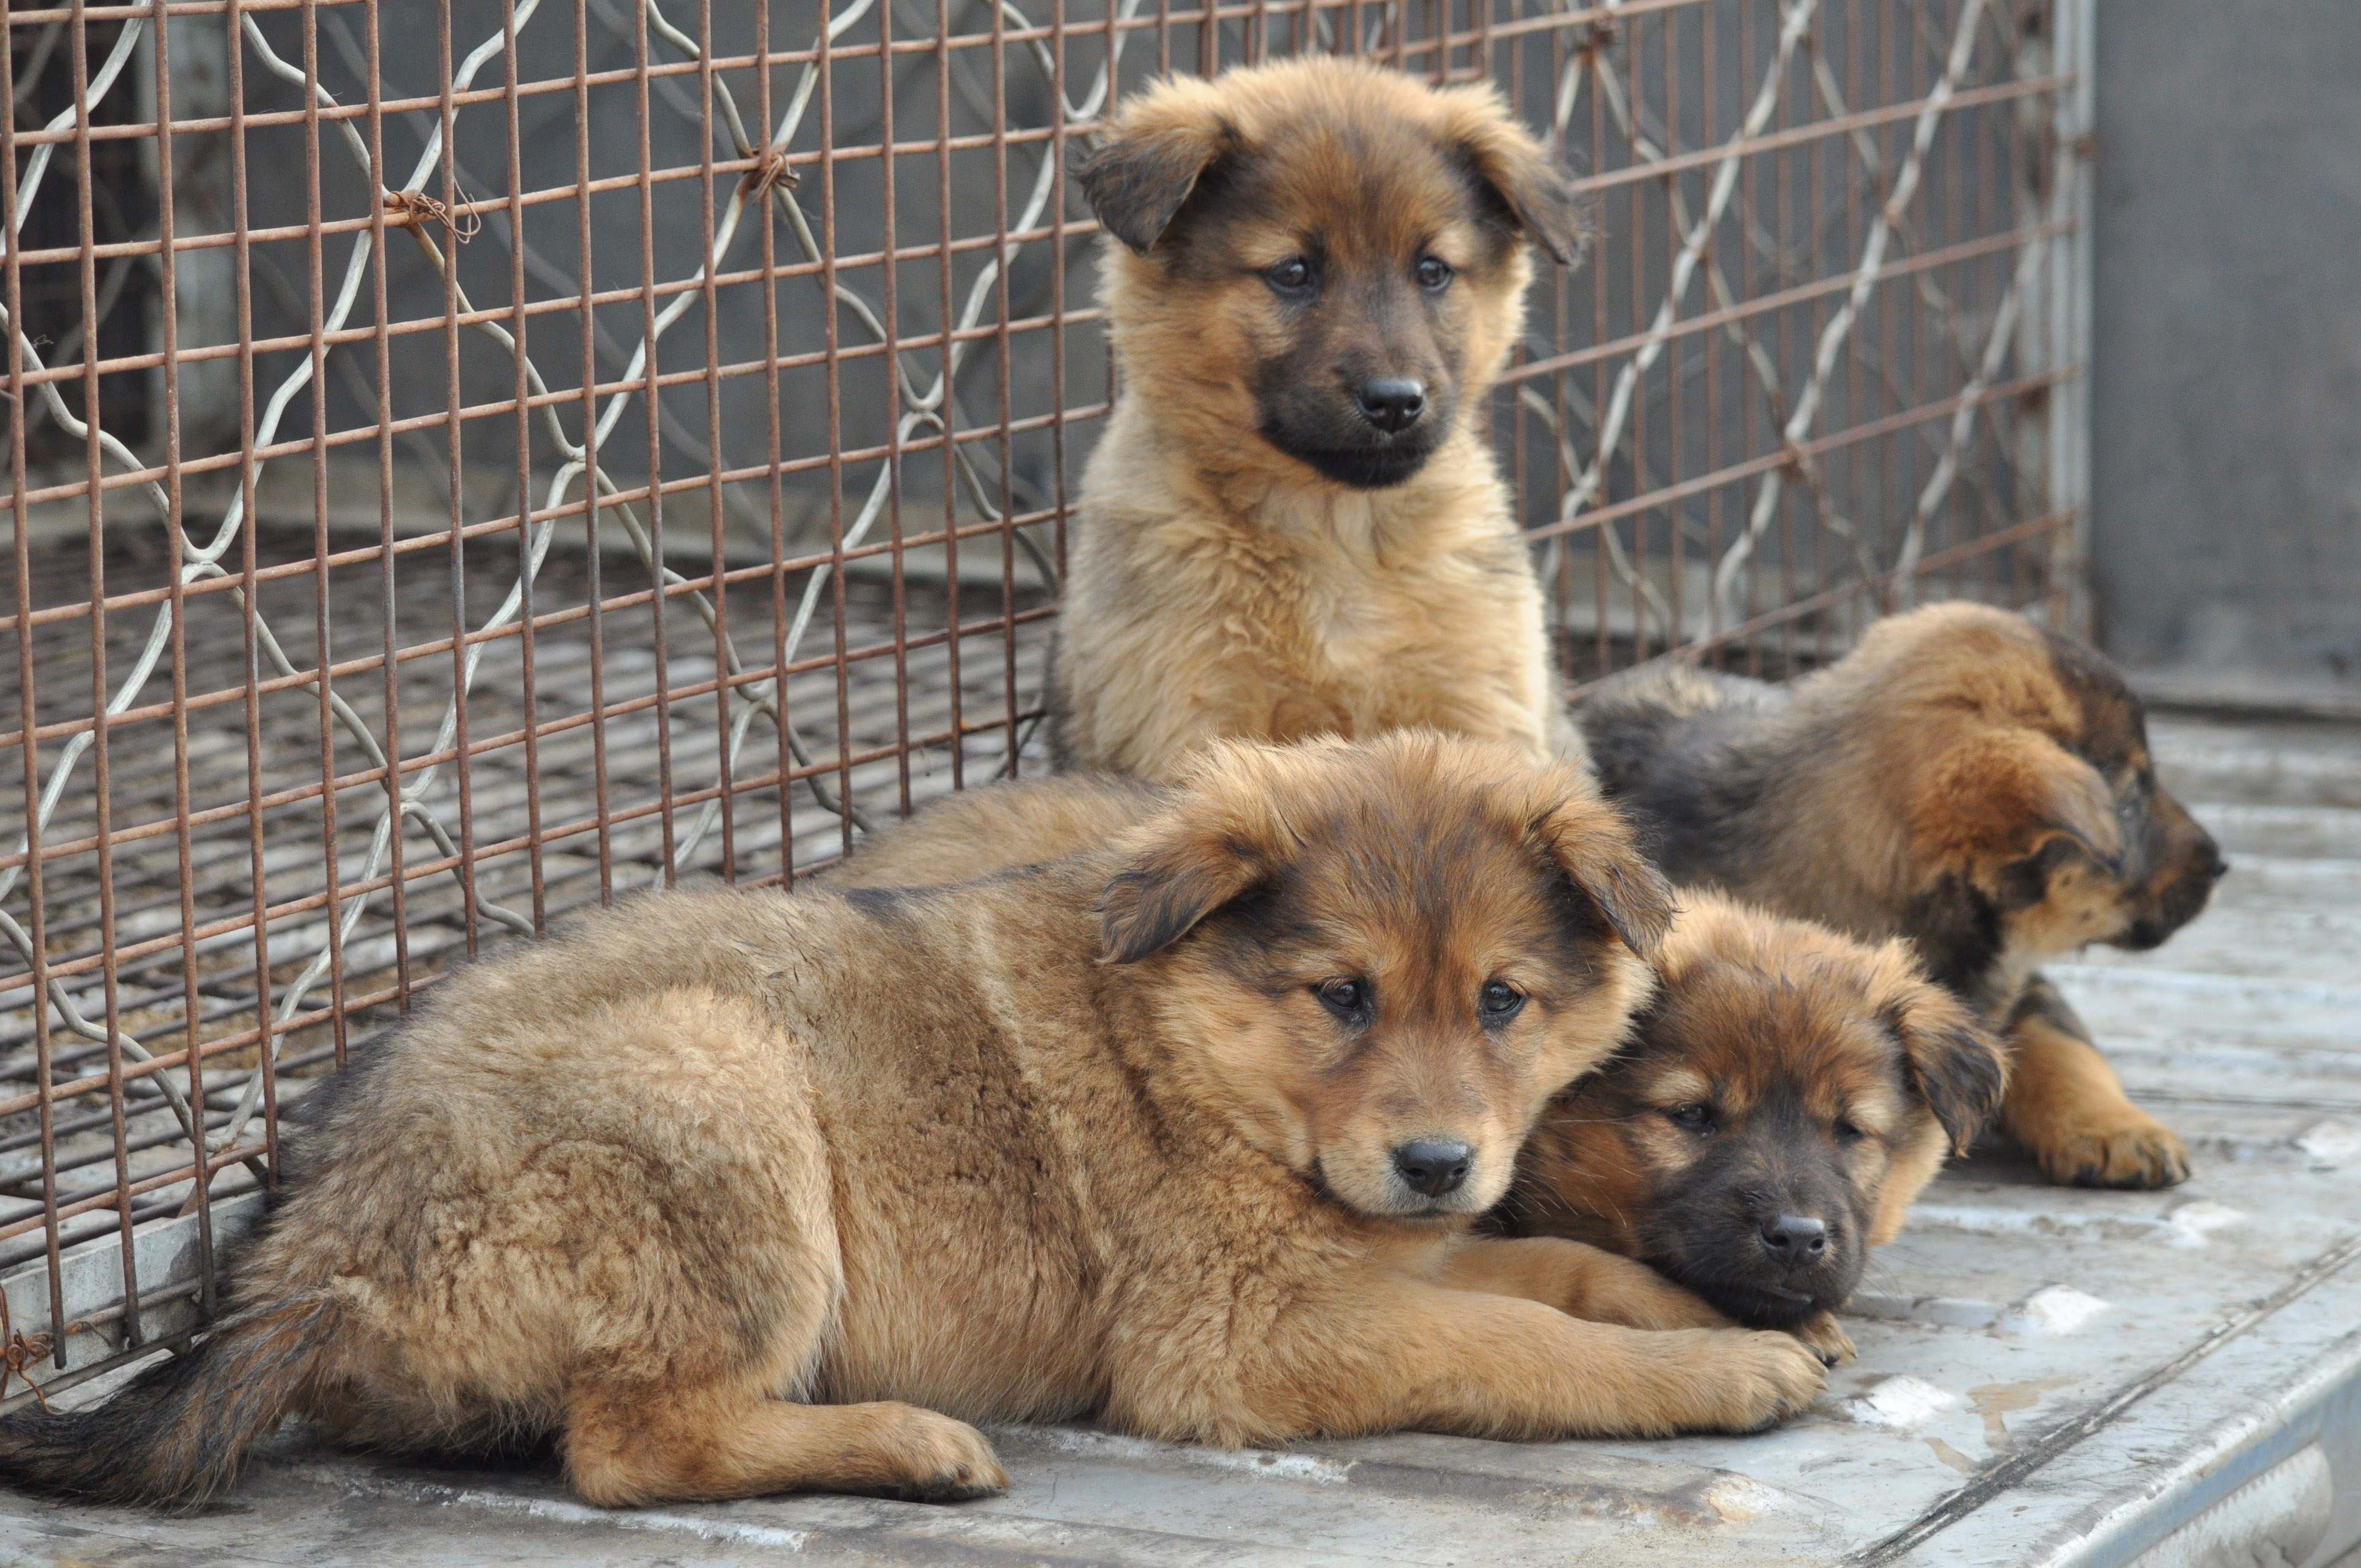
(1964, 779)
(1780, 1101)
(1293, 525)
(736, 1193)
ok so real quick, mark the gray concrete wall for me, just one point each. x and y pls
(2227, 405)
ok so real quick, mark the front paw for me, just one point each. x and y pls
(1767, 1377)
(1826, 1338)
(1738, 1380)
(2129, 1148)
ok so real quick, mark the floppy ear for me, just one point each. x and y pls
(1148, 161)
(1190, 869)
(1518, 169)
(1596, 848)
(2003, 794)
(1958, 1065)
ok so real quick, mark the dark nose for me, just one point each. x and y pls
(1797, 1240)
(2210, 854)
(1434, 1168)
(1392, 403)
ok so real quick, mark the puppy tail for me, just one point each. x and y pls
(178, 1434)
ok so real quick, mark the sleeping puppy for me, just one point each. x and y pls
(1779, 1104)
(1294, 525)
(1964, 779)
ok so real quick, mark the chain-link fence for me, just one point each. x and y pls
(470, 461)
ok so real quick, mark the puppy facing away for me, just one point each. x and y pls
(1782, 1099)
(733, 1193)
(1964, 779)
(1293, 525)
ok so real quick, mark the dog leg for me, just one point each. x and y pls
(2068, 1108)
(1607, 1287)
(1391, 1353)
(643, 1443)
(1578, 1280)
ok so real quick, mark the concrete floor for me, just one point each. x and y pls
(2046, 1376)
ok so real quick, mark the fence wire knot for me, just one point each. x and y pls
(1796, 462)
(770, 169)
(1596, 39)
(414, 207)
(20, 1351)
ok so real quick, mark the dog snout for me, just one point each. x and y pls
(1434, 1166)
(1797, 1241)
(1392, 403)
(2206, 855)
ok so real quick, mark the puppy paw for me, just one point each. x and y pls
(934, 1459)
(1826, 1338)
(1747, 1379)
(2132, 1150)
(1783, 1376)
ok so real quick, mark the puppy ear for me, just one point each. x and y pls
(1162, 895)
(1526, 177)
(1148, 162)
(2003, 794)
(1593, 844)
(1222, 837)
(1959, 1066)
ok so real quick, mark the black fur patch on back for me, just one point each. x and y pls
(1688, 782)
(882, 904)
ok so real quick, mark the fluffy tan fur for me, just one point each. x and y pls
(1221, 585)
(1965, 779)
(737, 1193)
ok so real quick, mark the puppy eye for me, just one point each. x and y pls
(1501, 1002)
(1695, 1117)
(1434, 274)
(1293, 275)
(1847, 1133)
(1347, 998)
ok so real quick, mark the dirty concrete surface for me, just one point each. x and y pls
(2046, 1376)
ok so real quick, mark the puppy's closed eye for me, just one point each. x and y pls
(1694, 1116)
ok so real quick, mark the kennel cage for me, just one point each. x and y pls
(472, 461)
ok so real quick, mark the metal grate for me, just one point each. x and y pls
(658, 422)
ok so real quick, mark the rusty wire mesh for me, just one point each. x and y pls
(481, 356)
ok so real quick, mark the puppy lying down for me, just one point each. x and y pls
(737, 1193)
(1783, 1096)
(1965, 779)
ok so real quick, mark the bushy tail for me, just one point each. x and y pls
(178, 1434)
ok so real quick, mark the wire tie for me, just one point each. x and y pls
(411, 207)
(770, 169)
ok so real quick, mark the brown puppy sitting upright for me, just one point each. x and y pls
(1964, 779)
(1293, 525)
(1782, 1099)
(734, 1193)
